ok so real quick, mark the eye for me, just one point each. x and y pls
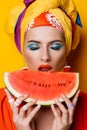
(33, 46)
(56, 46)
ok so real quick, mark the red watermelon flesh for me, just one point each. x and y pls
(43, 86)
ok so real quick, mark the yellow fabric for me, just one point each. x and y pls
(12, 19)
(57, 7)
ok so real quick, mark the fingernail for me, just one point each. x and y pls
(56, 100)
(24, 108)
(26, 95)
(5, 90)
(39, 106)
(34, 100)
(52, 106)
(63, 96)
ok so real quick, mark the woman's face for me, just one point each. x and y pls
(44, 49)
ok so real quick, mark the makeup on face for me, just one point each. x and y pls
(44, 67)
(44, 49)
(54, 45)
(33, 46)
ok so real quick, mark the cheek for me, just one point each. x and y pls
(30, 56)
(60, 55)
(63, 58)
(27, 55)
(59, 60)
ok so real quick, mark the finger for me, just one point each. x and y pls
(63, 109)
(9, 96)
(15, 108)
(71, 106)
(20, 99)
(28, 105)
(67, 101)
(54, 110)
(32, 114)
(75, 99)
(61, 106)
(27, 108)
(74, 102)
(15, 111)
(54, 124)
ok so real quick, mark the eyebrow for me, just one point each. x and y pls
(56, 41)
(33, 41)
(49, 42)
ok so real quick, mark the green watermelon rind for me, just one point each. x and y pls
(45, 103)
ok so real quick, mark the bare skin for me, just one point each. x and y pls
(44, 45)
(43, 118)
(49, 48)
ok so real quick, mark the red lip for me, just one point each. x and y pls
(44, 67)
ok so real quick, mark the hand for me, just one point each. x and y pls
(63, 117)
(23, 118)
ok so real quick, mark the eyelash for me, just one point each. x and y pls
(56, 46)
(33, 47)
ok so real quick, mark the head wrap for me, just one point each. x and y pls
(45, 19)
(64, 10)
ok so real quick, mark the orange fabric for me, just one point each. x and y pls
(80, 116)
(6, 122)
(46, 19)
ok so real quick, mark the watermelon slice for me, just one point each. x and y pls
(43, 86)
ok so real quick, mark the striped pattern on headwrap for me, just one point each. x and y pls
(64, 10)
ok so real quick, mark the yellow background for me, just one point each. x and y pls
(11, 59)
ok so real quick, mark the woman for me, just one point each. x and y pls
(45, 32)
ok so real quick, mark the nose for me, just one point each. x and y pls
(45, 55)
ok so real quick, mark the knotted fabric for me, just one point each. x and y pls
(64, 10)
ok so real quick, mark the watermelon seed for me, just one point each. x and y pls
(42, 85)
(69, 82)
(27, 81)
(35, 83)
(30, 82)
(48, 85)
(64, 84)
(59, 84)
(39, 84)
